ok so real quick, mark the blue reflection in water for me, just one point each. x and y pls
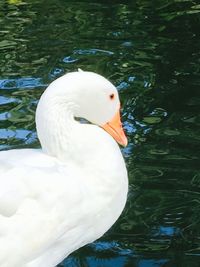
(92, 51)
(123, 85)
(152, 263)
(55, 73)
(18, 133)
(69, 59)
(94, 262)
(131, 78)
(119, 261)
(4, 116)
(166, 231)
(21, 83)
(6, 100)
(113, 246)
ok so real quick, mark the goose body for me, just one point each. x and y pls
(56, 199)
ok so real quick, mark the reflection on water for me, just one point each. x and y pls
(150, 50)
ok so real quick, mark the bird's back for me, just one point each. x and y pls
(49, 209)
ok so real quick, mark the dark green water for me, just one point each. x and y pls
(151, 51)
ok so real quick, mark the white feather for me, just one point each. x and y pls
(55, 200)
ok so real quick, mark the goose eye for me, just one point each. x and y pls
(112, 96)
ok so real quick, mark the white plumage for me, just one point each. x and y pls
(56, 199)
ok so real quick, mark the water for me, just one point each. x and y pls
(150, 51)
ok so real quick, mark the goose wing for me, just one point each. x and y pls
(35, 194)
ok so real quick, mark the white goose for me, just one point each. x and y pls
(57, 199)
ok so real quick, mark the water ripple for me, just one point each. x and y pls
(23, 83)
(92, 51)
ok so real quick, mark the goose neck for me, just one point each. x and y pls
(54, 123)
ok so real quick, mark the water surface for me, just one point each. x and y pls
(150, 51)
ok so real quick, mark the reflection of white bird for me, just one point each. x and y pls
(55, 200)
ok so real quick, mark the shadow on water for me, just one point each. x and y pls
(150, 51)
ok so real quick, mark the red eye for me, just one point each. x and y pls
(112, 96)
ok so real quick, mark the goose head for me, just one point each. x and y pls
(99, 104)
(80, 94)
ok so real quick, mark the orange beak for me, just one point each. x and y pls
(114, 128)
